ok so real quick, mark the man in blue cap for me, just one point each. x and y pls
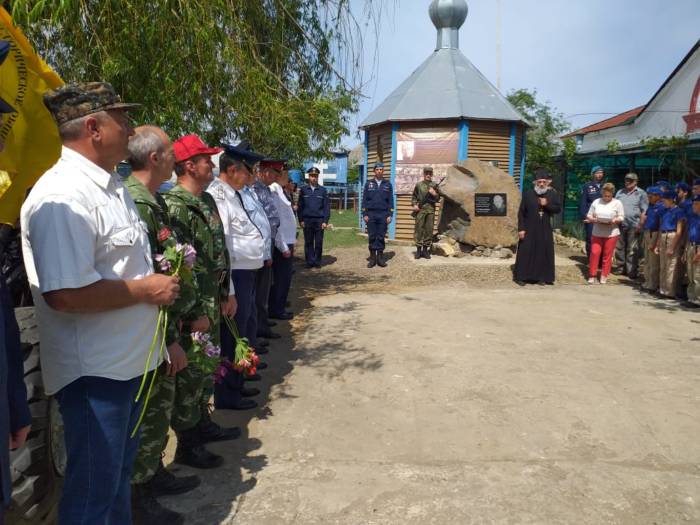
(314, 213)
(246, 245)
(684, 200)
(650, 221)
(377, 210)
(590, 192)
(663, 185)
(15, 419)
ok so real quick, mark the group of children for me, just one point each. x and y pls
(671, 230)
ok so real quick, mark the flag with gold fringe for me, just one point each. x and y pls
(30, 135)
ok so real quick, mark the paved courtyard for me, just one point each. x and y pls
(463, 404)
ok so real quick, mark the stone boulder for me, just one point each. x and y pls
(458, 220)
(445, 249)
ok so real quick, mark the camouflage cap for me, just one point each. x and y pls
(74, 101)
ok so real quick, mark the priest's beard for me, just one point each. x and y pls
(540, 191)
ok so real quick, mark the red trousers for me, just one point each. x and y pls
(606, 246)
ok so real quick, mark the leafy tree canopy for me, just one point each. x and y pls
(283, 74)
(542, 143)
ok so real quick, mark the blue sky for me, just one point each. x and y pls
(583, 56)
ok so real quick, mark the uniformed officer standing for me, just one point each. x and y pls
(425, 197)
(378, 211)
(314, 213)
(196, 221)
(152, 160)
(590, 192)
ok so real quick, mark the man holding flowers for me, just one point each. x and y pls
(90, 270)
(195, 220)
(152, 160)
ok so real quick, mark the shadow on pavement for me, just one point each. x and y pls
(222, 490)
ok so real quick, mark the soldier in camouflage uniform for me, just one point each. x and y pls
(196, 221)
(424, 198)
(152, 160)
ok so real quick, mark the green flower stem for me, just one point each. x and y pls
(153, 377)
(159, 325)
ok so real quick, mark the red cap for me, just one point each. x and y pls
(190, 145)
(277, 165)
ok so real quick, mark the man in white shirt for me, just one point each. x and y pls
(89, 267)
(284, 241)
(247, 250)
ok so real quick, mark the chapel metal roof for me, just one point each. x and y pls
(446, 85)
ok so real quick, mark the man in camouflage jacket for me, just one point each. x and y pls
(195, 220)
(152, 160)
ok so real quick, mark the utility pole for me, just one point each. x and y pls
(498, 44)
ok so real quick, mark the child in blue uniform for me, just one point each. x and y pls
(669, 245)
(651, 219)
(692, 252)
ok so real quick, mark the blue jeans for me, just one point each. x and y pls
(98, 415)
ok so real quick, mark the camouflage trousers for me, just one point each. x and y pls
(154, 428)
(423, 233)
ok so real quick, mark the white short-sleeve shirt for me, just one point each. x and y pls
(79, 226)
(287, 230)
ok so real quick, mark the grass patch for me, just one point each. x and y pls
(336, 239)
(343, 219)
(343, 239)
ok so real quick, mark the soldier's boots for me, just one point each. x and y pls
(380, 259)
(165, 483)
(146, 510)
(191, 452)
(419, 252)
(372, 259)
(209, 431)
(426, 252)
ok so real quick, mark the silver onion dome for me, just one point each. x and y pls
(448, 16)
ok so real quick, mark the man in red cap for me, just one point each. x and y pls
(196, 221)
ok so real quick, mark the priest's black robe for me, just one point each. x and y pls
(534, 261)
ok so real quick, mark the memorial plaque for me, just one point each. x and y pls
(490, 204)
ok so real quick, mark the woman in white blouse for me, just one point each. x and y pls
(606, 214)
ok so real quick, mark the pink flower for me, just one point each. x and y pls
(201, 338)
(190, 255)
(163, 263)
(220, 372)
(212, 350)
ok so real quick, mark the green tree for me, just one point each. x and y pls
(283, 74)
(542, 143)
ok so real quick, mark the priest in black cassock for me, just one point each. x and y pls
(534, 262)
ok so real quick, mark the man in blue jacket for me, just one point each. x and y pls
(314, 213)
(377, 211)
(590, 192)
(15, 419)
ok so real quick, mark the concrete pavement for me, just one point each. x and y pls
(450, 404)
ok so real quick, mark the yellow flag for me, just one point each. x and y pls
(30, 135)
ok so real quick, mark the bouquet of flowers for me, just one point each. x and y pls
(177, 259)
(205, 354)
(245, 359)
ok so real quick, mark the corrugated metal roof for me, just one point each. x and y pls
(618, 120)
(445, 86)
